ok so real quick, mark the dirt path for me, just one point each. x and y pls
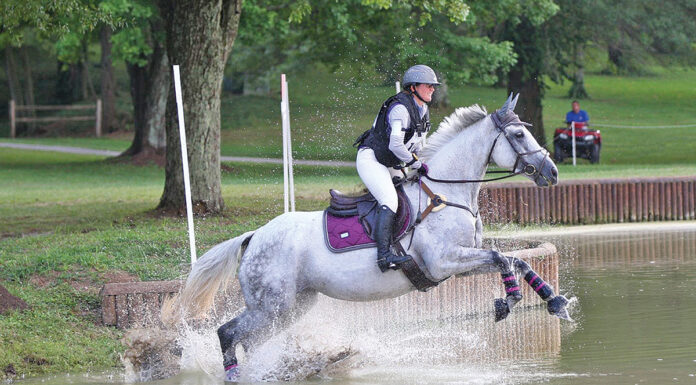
(243, 159)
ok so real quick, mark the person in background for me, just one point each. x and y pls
(577, 115)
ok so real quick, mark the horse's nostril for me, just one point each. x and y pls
(554, 172)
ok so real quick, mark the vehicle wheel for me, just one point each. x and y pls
(594, 153)
(557, 153)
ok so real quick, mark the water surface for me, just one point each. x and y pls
(635, 324)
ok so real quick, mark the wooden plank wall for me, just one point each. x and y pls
(590, 201)
(137, 304)
(457, 296)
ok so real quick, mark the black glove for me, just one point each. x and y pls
(423, 169)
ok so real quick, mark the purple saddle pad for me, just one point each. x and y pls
(347, 233)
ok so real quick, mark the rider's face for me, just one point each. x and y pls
(576, 107)
(425, 91)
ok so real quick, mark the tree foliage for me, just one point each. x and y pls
(383, 35)
(50, 18)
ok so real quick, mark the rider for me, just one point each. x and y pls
(577, 115)
(397, 135)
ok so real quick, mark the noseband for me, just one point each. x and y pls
(512, 119)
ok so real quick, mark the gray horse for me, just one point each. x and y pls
(283, 265)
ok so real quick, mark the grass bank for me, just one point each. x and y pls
(72, 223)
(329, 110)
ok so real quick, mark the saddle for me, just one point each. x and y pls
(349, 220)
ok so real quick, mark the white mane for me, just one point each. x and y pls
(452, 125)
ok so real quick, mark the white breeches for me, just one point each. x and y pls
(377, 178)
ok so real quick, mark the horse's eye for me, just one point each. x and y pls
(519, 134)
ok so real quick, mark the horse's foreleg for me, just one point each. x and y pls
(512, 288)
(478, 261)
(556, 304)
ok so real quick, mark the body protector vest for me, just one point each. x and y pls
(377, 137)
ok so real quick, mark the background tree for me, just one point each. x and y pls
(32, 22)
(387, 40)
(200, 36)
(107, 89)
(139, 41)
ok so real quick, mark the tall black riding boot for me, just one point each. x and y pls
(383, 236)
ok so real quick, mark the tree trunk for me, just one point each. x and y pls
(156, 100)
(138, 89)
(68, 83)
(14, 84)
(16, 93)
(87, 85)
(529, 104)
(149, 90)
(200, 35)
(577, 90)
(28, 85)
(108, 84)
(616, 56)
(525, 77)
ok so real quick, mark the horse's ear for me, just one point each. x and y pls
(514, 103)
(504, 109)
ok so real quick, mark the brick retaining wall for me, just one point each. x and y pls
(590, 201)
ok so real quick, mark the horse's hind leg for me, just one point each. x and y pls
(259, 323)
(556, 304)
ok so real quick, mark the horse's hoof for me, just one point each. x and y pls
(232, 373)
(512, 300)
(501, 309)
(557, 306)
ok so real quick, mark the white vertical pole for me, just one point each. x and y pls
(13, 127)
(286, 198)
(184, 162)
(288, 177)
(98, 123)
(398, 87)
(291, 184)
(572, 132)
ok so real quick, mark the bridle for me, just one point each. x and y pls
(501, 123)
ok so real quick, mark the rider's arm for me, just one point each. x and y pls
(398, 121)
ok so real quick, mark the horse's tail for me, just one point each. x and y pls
(213, 269)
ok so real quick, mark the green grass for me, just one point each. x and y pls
(664, 100)
(71, 219)
(328, 111)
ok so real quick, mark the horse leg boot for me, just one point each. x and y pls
(229, 337)
(236, 331)
(384, 226)
(512, 288)
(555, 304)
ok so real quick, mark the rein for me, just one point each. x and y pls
(437, 202)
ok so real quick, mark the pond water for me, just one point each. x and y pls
(635, 323)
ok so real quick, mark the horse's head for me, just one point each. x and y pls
(516, 149)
